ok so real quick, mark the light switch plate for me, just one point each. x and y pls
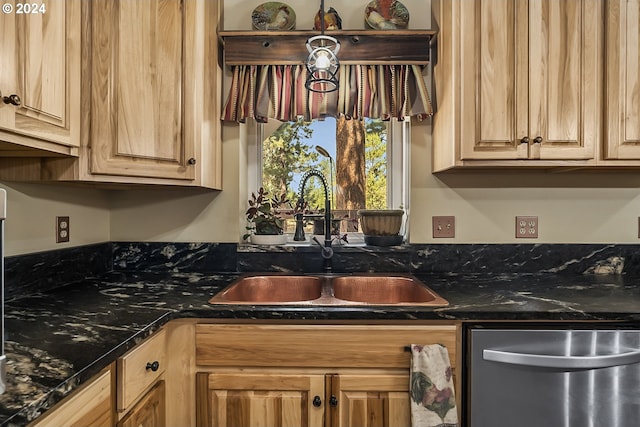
(444, 226)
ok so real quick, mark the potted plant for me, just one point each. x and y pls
(381, 227)
(265, 224)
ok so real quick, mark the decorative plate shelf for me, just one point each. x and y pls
(365, 47)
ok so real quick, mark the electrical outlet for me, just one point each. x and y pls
(444, 226)
(527, 227)
(62, 229)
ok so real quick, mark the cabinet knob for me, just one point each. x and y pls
(317, 402)
(333, 401)
(191, 161)
(12, 99)
(537, 140)
(153, 365)
(524, 140)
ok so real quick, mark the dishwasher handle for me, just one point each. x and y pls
(562, 362)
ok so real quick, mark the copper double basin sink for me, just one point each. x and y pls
(329, 289)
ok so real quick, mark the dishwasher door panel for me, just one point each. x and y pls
(544, 378)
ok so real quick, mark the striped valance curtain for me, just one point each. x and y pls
(262, 92)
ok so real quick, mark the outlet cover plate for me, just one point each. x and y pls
(62, 229)
(526, 227)
(444, 226)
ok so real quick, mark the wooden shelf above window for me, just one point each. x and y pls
(365, 47)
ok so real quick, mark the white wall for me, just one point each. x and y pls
(32, 211)
(237, 13)
(185, 215)
(573, 207)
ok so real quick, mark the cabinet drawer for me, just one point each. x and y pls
(136, 369)
(336, 346)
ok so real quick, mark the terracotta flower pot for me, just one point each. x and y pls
(380, 222)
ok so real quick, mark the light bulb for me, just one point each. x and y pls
(323, 62)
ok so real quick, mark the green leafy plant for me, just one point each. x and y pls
(263, 215)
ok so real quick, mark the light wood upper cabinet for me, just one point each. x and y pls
(40, 69)
(150, 109)
(518, 81)
(622, 80)
(146, 94)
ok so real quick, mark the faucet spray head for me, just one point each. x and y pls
(323, 152)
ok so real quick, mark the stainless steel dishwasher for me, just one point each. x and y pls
(553, 378)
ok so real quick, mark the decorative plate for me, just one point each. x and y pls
(273, 15)
(386, 15)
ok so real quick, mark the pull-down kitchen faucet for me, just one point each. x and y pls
(327, 251)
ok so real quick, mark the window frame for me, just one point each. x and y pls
(398, 162)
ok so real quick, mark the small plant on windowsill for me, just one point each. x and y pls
(265, 224)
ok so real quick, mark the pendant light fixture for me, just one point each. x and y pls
(322, 63)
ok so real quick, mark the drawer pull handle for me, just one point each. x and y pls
(153, 366)
(317, 402)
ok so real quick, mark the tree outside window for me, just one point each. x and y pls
(358, 148)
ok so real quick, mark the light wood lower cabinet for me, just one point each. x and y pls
(370, 400)
(308, 375)
(141, 386)
(91, 405)
(149, 411)
(238, 400)
(292, 400)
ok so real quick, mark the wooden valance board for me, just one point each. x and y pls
(363, 47)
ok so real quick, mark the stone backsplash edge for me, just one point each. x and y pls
(42, 271)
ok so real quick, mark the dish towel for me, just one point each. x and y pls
(433, 401)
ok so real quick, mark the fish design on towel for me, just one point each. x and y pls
(433, 401)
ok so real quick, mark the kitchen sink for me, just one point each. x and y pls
(385, 290)
(329, 289)
(265, 289)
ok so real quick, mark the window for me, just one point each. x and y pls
(373, 175)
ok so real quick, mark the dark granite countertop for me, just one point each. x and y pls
(57, 340)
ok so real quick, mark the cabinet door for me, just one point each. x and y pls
(40, 64)
(494, 74)
(260, 400)
(90, 406)
(370, 400)
(148, 412)
(530, 79)
(623, 80)
(565, 78)
(138, 96)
